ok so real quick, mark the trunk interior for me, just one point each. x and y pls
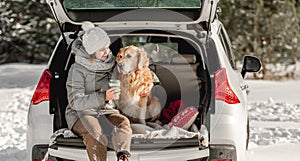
(178, 64)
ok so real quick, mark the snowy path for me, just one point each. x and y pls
(280, 91)
(274, 122)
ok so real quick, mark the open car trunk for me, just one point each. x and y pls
(116, 12)
(177, 60)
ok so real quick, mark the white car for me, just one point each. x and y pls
(191, 54)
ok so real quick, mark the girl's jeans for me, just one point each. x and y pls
(93, 130)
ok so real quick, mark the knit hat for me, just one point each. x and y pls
(94, 38)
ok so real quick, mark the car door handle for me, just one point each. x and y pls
(244, 87)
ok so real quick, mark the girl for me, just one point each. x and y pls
(88, 114)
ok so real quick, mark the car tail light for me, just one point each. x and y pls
(223, 91)
(41, 92)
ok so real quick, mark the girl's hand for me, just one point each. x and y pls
(112, 94)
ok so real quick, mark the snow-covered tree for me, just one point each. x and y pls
(28, 31)
(268, 29)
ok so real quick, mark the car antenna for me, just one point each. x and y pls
(209, 20)
(57, 21)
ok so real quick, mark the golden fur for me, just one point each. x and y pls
(136, 79)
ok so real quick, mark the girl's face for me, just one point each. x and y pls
(102, 53)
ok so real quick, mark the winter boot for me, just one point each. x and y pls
(123, 156)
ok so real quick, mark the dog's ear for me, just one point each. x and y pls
(143, 60)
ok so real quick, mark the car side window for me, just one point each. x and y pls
(227, 47)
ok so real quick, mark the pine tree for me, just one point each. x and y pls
(28, 31)
(268, 29)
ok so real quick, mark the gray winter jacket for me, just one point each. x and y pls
(86, 89)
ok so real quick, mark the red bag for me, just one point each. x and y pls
(169, 112)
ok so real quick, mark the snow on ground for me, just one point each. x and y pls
(273, 123)
(16, 88)
(274, 110)
(279, 91)
(276, 152)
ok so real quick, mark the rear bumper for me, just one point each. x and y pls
(228, 133)
(220, 152)
(39, 127)
(178, 154)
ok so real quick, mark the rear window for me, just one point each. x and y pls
(159, 49)
(130, 4)
(132, 10)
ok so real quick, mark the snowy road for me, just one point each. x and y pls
(274, 110)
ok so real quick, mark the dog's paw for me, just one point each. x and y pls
(154, 125)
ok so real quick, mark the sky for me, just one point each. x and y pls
(274, 112)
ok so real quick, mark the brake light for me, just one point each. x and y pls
(223, 91)
(41, 92)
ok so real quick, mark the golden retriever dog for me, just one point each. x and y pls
(136, 80)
